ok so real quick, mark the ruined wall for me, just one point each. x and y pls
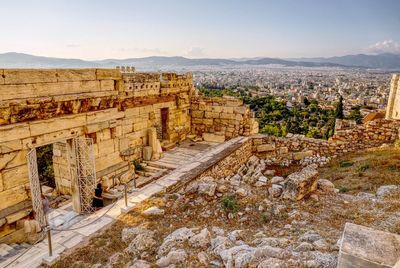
(358, 137)
(117, 110)
(231, 163)
(218, 119)
(393, 106)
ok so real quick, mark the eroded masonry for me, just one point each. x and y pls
(122, 114)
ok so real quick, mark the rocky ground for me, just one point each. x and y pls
(264, 216)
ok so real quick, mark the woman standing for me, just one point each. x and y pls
(97, 197)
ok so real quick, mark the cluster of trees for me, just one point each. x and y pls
(276, 118)
(307, 118)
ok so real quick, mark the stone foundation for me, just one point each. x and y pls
(355, 138)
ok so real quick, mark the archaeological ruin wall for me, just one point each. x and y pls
(128, 116)
(346, 139)
(120, 112)
(219, 119)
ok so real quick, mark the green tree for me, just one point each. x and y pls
(355, 114)
(339, 109)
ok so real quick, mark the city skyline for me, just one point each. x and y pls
(220, 29)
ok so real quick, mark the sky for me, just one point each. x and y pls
(101, 29)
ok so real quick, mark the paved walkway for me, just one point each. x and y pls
(83, 227)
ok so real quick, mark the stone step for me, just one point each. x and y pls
(166, 146)
(161, 165)
(154, 169)
(144, 173)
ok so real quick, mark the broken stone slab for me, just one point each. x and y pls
(365, 247)
(301, 184)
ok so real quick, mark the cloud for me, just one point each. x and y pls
(385, 46)
(194, 52)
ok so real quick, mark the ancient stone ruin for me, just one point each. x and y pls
(126, 115)
(102, 123)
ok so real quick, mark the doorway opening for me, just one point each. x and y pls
(164, 123)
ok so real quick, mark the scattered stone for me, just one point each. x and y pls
(304, 246)
(326, 185)
(387, 190)
(234, 235)
(263, 179)
(217, 231)
(241, 192)
(310, 237)
(272, 263)
(301, 184)
(238, 256)
(142, 242)
(321, 245)
(222, 188)
(275, 190)
(269, 172)
(203, 257)
(219, 244)
(277, 179)
(174, 239)
(201, 240)
(174, 257)
(139, 264)
(207, 186)
(153, 211)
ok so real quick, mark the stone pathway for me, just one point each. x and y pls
(81, 227)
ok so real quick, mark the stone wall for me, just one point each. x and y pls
(231, 163)
(357, 137)
(218, 119)
(117, 110)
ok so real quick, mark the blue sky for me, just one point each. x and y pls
(97, 29)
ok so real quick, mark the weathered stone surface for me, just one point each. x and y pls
(201, 240)
(213, 137)
(300, 184)
(365, 247)
(387, 190)
(266, 148)
(173, 257)
(153, 211)
(326, 185)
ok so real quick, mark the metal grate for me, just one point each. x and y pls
(35, 187)
(86, 172)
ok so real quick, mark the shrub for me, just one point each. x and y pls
(346, 163)
(138, 166)
(343, 189)
(230, 203)
(362, 168)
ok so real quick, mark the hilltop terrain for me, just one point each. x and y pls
(238, 222)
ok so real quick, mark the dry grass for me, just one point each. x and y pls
(364, 171)
(327, 216)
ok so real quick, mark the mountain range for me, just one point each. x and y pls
(387, 61)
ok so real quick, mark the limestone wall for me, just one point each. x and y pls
(393, 107)
(218, 119)
(117, 110)
(296, 147)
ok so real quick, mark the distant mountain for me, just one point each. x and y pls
(20, 60)
(379, 61)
